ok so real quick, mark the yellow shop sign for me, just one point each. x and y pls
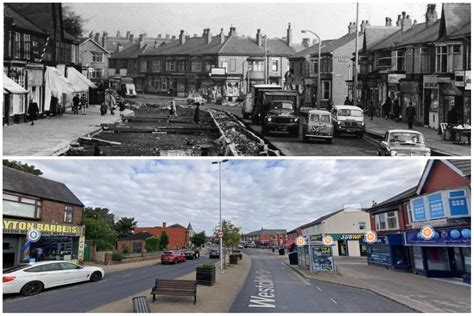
(21, 227)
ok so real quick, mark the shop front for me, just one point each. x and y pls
(345, 244)
(389, 251)
(56, 242)
(410, 93)
(447, 254)
(430, 101)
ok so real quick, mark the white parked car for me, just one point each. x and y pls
(195, 100)
(32, 278)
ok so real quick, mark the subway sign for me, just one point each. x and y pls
(13, 226)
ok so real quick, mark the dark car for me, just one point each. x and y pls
(281, 116)
(190, 254)
(214, 253)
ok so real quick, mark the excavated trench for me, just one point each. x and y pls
(151, 132)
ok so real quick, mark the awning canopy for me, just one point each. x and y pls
(10, 86)
(79, 79)
(56, 85)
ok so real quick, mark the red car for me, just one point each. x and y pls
(172, 257)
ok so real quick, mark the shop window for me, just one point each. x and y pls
(458, 203)
(68, 212)
(437, 258)
(466, 252)
(418, 257)
(97, 57)
(436, 207)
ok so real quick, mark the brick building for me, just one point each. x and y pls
(266, 237)
(135, 242)
(178, 235)
(34, 203)
(94, 59)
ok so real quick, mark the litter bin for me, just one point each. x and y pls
(281, 251)
(293, 257)
(233, 258)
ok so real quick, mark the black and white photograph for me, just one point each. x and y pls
(237, 79)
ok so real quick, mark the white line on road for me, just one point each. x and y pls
(319, 289)
(334, 301)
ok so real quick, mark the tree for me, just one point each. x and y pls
(152, 244)
(164, 240)
(100, 213)
(231, 232)
(22, 167)
(72, 22)
(99, 230)
(199, 239)
(125, 226)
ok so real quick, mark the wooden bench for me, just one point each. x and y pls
(174, 287)
(140, 305)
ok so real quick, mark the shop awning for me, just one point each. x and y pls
(56, 85)
(79, 79)
(10, 86)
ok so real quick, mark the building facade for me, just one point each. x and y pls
(33, 203)
(178, 235)
(135, 242)
(266, 237)
(94, 60)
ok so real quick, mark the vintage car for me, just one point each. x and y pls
(317, 124)
(401, 142)
(281, 116)
(348, 119)
(172, 257)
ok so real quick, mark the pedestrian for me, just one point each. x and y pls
(347, 101)
(75, 104)
(371, 110)
(387, 108)
(39, 254)
(33, 111)
(452, 117)
(197, 114)
(173, 108)
(330, 105)
(410, 114)
(83, 103)
(396, 110)
(109, 101)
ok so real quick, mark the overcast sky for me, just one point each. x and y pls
(328, 19)
(255, 193)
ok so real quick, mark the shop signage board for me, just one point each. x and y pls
(340, 236)
(13, 226)
(443, 237)
(430, 82)
(459, 78)
(322, 259)
(395, 78)
(317, 237)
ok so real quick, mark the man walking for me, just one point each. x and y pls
(197, 114)
(33, 111)
(410, 114)
(109, 101)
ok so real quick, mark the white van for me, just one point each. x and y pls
(348, 119)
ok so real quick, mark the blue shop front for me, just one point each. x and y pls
(447, 254)
(389, 251)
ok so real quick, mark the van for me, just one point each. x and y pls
(317, 124)
(348, 119)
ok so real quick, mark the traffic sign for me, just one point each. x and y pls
(300, 242)
(370, 236)
(220, 234)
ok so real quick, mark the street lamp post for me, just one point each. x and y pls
(221, 266)
(318, 95)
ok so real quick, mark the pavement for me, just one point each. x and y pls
(420, 293)
(51, 136)
(210, 299)
(378, 126)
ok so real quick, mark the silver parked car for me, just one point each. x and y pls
(400, 142)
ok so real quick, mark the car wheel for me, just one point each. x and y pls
(32, 288)
(175, 261)
(96, 276)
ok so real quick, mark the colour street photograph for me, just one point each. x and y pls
(237, 236)
(237, 79)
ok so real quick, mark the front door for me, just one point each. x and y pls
(342, 247)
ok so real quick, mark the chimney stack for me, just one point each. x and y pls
(104, 37)
(363, 24)
(173, 38)
(406, 22)
(141, 40)
(127, 36)
(305, 42)
(118, 34)
(195, 35)
(352, 28)
(182, 37)
(131, 38)
(232, 31)
(97, 37)
(167, 36)
(91, 34)
(431, 15)
(388, 21)
(119, 47)
(204, 33)
(164, 224)
(289, 35)
(399, 20)
(208, 36)
(259, 38)
(222, 36)
(159, 36)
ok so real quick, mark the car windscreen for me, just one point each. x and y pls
(168, 253)
(405, 138)
(16, 268)
(349, 112)
(282, 105)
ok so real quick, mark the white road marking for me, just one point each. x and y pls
(319, 289)
(333, 300)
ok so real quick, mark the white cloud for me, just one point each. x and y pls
(255, 192)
